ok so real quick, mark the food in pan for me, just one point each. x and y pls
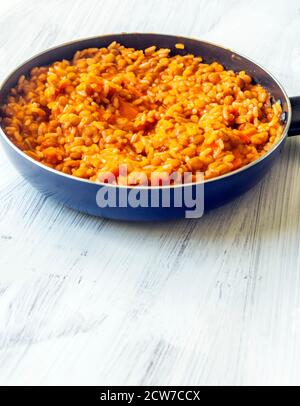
(147, 109)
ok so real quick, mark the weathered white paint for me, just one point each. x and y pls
(212, 301)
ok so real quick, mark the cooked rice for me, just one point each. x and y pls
(146, 109)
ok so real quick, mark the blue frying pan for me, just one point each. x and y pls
(92, 198)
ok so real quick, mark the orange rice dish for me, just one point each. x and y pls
(145, 109)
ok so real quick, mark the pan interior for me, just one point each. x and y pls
(209, 52)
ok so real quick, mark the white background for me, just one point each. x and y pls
(209, 301)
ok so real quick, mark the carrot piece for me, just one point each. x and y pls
(127, 110)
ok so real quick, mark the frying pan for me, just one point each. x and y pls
(81, 194)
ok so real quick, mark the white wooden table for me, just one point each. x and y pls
(209, 301)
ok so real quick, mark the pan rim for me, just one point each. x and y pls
(182, 38)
